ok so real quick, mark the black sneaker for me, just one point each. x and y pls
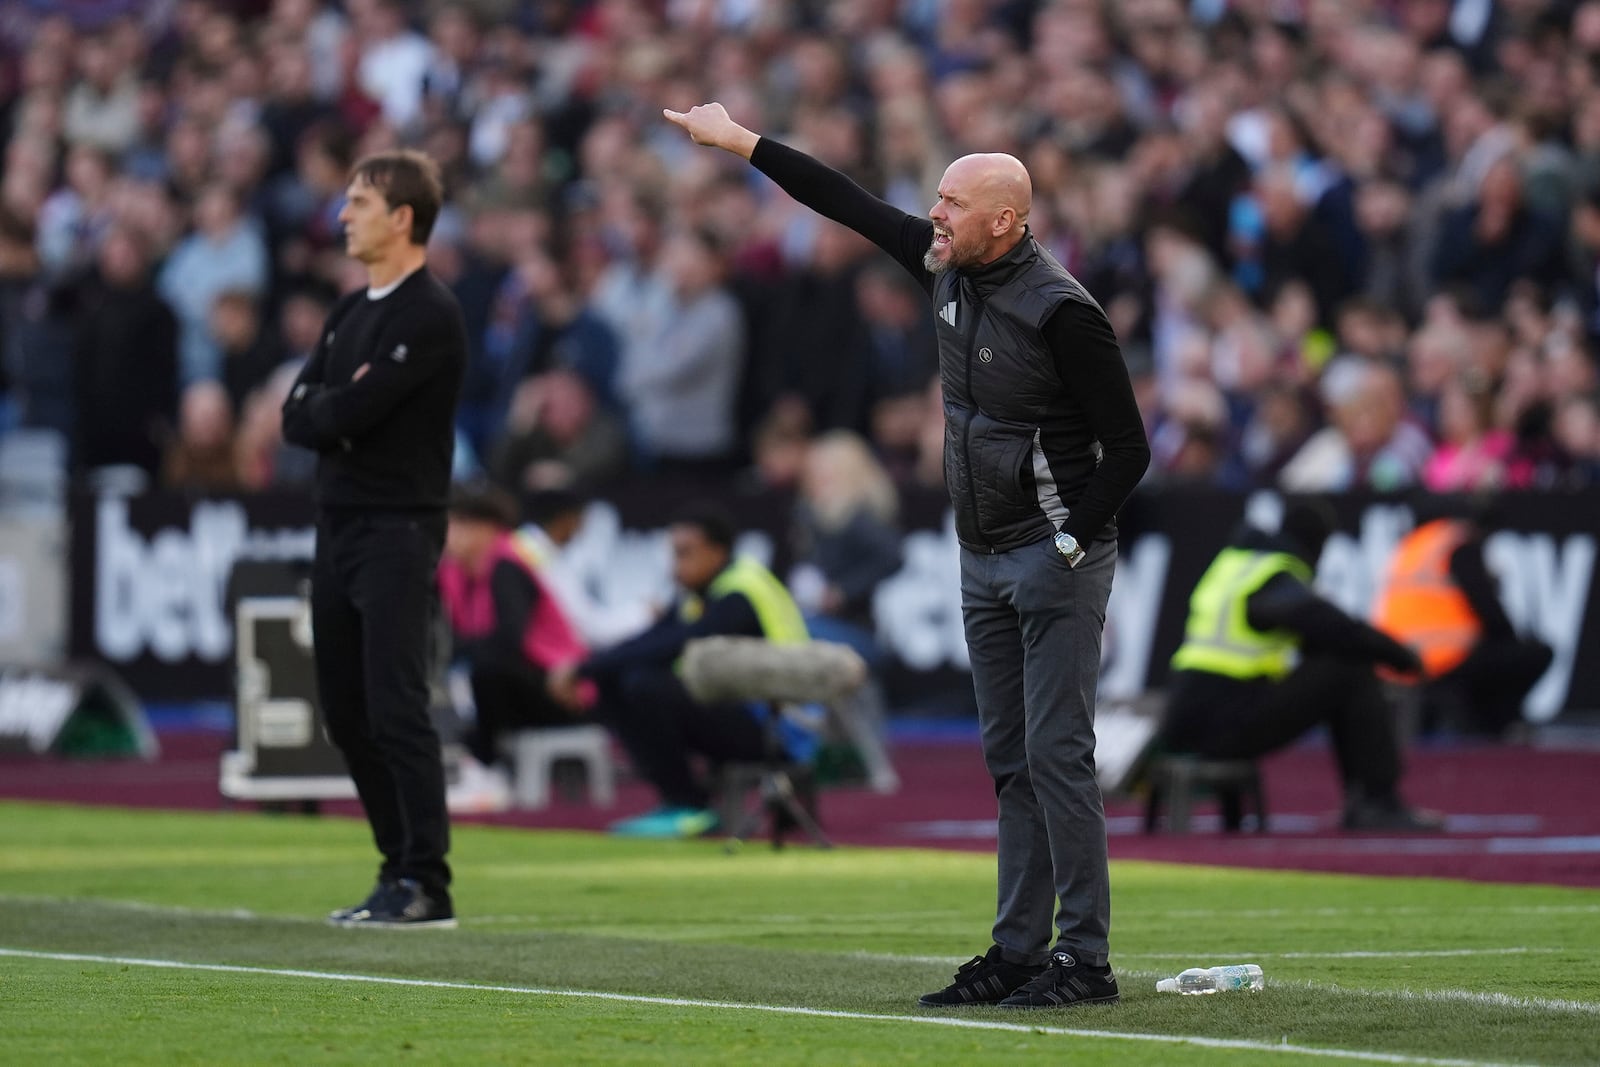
(340, 915)
(1389, 816)
(1066, 982)
(986, 979)
(404, 904)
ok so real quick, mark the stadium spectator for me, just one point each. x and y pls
(680, 378)
(817, 347)
(102, 108)
(201, 456)
(1472, 452)
(846, 538)
(225, 253)
(249, 353)
(1395, 152)
(1369, 442)
(559, 436)
(125, 363)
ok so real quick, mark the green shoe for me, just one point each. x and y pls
(668, 823)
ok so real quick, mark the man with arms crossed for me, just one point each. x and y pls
(377, 402)
(1043, 442)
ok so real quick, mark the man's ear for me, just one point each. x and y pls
(403, 218)
(1003, 222)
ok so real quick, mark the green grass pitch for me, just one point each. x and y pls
(144, 937)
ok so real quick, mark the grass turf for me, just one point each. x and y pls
(1453, 970)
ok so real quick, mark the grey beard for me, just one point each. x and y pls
(932, 263)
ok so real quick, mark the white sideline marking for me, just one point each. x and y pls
(1503, 1000)
(1400, 909)
(1358, 955)
(775, 1009)
(1469, 996)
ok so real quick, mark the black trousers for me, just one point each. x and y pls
(1221, 718)
(507, 701)
(1484, 693)
(660, 725)
(373, 601)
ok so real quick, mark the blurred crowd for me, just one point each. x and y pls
(1346, 243)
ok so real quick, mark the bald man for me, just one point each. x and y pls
(1043, 443)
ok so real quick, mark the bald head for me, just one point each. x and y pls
(1001, 181)
(983, 206)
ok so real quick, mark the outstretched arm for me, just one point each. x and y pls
(1286, 603)
(816, 185)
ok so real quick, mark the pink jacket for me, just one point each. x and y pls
(548, 640)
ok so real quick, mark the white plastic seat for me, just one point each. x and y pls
(534, 754)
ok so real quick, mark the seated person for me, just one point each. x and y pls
(645, 703)
(1439, 598)
(1264, 659)
(509, 629)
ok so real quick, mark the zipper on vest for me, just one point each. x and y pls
(966, 430)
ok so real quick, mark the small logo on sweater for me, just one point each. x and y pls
(399, 354)
(329, 342)
(986, 355)
(948, 313)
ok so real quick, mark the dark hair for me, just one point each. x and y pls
(15, 227)
(548, 505)
(484, 503)
(406, 178)
(710, 520)
(1309, 522)
(331, 138)
(314, 290)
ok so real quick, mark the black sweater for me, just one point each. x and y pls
(385, 441)
(1087, 356)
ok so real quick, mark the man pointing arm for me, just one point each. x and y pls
(1043, 443)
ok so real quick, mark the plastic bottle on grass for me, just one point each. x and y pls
(1224, 979)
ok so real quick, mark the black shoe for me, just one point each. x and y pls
(1065, 982)
(404, 904)
(340, 915)
(986, 979)
(1390, 816)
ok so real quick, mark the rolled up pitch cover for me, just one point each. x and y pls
(720, 669)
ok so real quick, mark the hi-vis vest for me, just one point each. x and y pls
(1421, 605)
(780, 618)
(1218, 638)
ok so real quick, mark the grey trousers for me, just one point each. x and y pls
(1033, 628)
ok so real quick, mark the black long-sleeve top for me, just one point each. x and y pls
(732, 616)
(1471, 575)
(385, 441)
(1087, 357)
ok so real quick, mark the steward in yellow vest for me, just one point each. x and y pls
(1264, 659)
(1439, 598)
(645, 703)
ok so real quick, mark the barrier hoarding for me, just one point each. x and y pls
(150, 574)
